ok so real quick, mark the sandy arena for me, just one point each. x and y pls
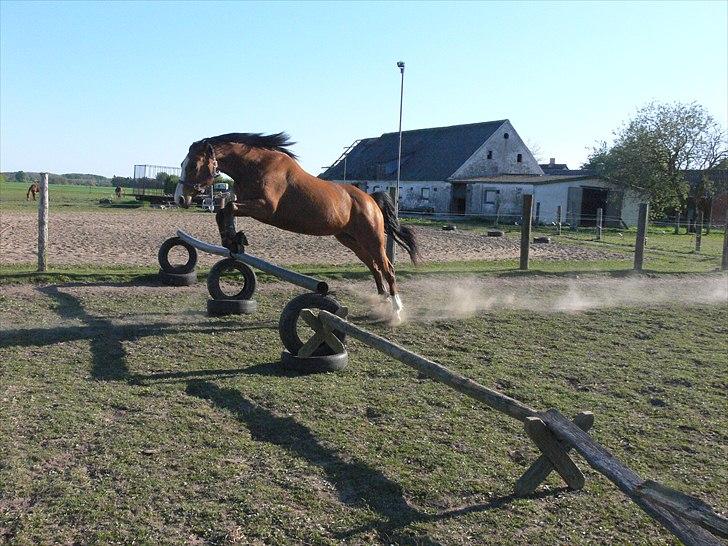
(133, 237)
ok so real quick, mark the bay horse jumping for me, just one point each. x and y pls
(270, 186)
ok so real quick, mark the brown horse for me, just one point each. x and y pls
(32, 190)
(270, 186)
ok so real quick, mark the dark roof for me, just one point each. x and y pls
(719, 177)
(554, 168)
(427, 154)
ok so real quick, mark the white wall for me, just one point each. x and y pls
(505, 157)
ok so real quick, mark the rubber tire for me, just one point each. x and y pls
(289, 319)
(219, 308)
(495, 233)
(213, 280)
(163, 256)
(178, 279)
(314, 364)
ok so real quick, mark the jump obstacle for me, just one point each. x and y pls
(688, 518)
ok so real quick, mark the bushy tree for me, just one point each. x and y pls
(652, 151)
(20, 176)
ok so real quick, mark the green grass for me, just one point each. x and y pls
(129, 416)
(64, 197)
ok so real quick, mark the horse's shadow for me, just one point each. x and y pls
(106, 339)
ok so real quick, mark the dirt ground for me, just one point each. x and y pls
(133, 238)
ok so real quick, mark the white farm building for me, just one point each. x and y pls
(480, 169)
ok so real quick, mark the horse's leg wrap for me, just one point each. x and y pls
(234, 241)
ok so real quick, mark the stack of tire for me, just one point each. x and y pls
(177, 275)
(323, 359)
(222, 303)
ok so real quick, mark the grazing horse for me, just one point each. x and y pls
(270, 186)
(32, 190)
(119, 191)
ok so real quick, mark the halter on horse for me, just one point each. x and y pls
(271, 187)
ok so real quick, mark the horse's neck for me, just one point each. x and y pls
(237, 161)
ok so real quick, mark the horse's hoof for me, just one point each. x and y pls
(241, 239)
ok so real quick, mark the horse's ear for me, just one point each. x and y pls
(210, 150)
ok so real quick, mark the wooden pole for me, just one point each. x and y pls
(639, 246)
(438, 372)
(43, 222)
(724, 261)
(625, 479)
(558, 220)
(600, 217)
(526, 230)
(699, 232)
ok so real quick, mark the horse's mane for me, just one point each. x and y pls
(277, 141)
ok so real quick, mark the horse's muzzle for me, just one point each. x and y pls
(181, 198)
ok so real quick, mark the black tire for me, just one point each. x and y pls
(178, 279)
(228, 264)
(218, 308)
(289, 321)
(495, 233)
(314, 364)
(163, 256)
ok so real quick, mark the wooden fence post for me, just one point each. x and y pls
(43, 222)
(526, 230)
(558, 220)
(600, 217)
(724, 261)
(699, 232)
(639, 246)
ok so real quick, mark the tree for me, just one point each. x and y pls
(20, 176)
(652, 151)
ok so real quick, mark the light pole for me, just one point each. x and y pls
(391, 253)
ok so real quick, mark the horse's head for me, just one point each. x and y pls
(199, 170)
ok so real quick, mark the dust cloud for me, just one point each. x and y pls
(462, 297)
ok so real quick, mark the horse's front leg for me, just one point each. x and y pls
(234, 241)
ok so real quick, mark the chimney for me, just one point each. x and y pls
(552, 161)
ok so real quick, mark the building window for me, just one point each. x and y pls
(425, 193)
(490, 196)
(519, 158)
(490, 154)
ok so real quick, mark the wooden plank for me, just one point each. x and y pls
(549, 446)
(316, 339)
(542, 467)
(692, 508)
(438, 372)
(601, 460)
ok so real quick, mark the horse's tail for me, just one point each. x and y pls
(403, 235)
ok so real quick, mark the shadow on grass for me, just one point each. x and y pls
(108, 355)
(272, 369)
(356, 482)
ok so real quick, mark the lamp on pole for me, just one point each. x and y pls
(391, 254)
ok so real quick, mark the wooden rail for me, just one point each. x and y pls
(554, 435)
(309, 283)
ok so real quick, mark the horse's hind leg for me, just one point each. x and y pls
(349, 242)
(376, 248)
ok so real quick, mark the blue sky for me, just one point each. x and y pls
(98, 87)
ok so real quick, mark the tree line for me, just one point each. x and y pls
(654, 152)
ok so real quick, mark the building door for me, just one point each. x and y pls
(459, 196)
(573, 206)
(591, 200)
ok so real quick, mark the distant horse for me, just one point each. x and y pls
(118, 192)
(271, 187)
(32, 190)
